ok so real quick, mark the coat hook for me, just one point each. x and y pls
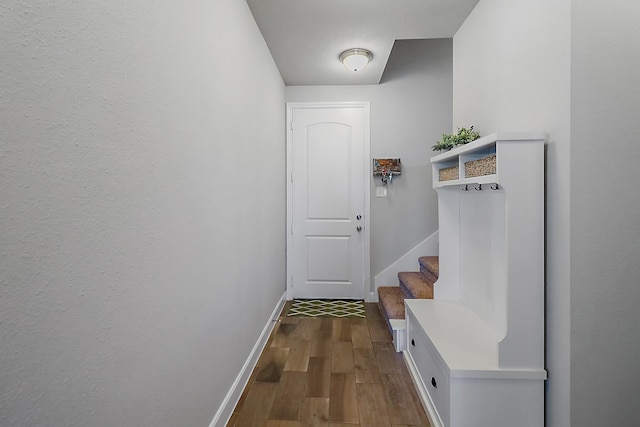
(494, 187)
(464, 187)
(479, 187)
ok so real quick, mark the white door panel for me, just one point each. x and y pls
(328, 152)
(334, 266)
(328, 169)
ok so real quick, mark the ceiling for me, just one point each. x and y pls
(306, 37)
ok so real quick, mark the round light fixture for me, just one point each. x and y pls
(355, 59)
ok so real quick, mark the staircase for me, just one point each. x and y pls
(412, 285)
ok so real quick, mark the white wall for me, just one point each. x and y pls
(410, 109)
(605, 206)
(141, 248)
(512, 73)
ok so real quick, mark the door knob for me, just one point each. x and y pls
(358, 217)
(359, 228)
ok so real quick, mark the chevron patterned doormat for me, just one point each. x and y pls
(326, 308)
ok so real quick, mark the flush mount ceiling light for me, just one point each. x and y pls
(355, 59)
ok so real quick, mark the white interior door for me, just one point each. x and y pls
(328, 198)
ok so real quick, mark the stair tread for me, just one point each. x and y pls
(417, 284)
(392, 301)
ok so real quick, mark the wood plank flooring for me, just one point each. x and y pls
(330, 372)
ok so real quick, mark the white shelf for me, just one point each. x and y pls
(488, 140)
(475, 150)
(486, 179)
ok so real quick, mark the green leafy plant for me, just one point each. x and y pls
(451, 140)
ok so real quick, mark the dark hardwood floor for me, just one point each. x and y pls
(330, 372)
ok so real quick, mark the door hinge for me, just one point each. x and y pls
(291, 282)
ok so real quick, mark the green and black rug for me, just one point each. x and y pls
(326, 308)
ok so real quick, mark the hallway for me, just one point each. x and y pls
(330, 372)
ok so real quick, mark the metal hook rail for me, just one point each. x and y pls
(478, 187)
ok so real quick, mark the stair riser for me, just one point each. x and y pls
(429, 266)
(428, 274)
(405, 290)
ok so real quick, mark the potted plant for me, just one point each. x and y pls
(451, 140)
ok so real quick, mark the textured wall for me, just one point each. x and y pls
(605, 206)
(410, 109)
(141, 248)
(511, 73)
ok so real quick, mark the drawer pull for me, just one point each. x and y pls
(433, 382)
(413, 342)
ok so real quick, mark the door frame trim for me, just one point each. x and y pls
(366, 265)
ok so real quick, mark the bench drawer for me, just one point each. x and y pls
(432, 370)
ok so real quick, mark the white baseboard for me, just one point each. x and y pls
(408, 262)
(230, 401)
